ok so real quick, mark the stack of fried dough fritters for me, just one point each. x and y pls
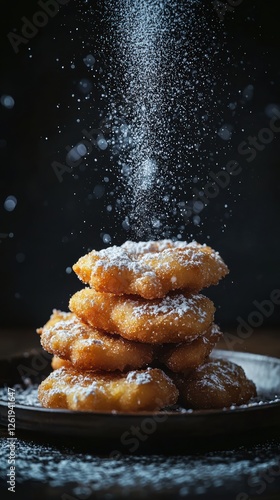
(140, 336)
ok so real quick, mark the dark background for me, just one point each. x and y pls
(54, 223)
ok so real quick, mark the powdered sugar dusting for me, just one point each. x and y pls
(139, 258)
(118, 257)
(81, 392)
(163, 95)
(70, 330)
(176, 306)
(78, 385)
(139, 377)
(142, 247)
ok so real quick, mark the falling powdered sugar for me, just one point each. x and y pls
(162, 102)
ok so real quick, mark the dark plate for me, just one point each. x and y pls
(31, 368)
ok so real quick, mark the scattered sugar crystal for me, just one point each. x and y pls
(106, 238)
(139, 377)
(248, 93)
(225, 132)
(89, 60)
(7, 101)
(10, 203)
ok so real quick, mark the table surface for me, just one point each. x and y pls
(244, 469)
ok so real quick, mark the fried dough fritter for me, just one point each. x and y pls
(184, 357)
(55, 317)
(90, 349)
(179, 358)
(151, 269)
(143, 390)
(216, 384)
(141, 313)
(173, 319)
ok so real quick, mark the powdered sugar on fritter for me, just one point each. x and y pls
(139, 377)
(70, 330)
(142, 247)
(140, 257)
(173, 305)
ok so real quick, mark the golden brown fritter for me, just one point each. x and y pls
(134, 391)
(216, 384)
(55, 317)
(175, 318)
(184, 357)
(151, 269)
(90, 349)
(179, 358)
